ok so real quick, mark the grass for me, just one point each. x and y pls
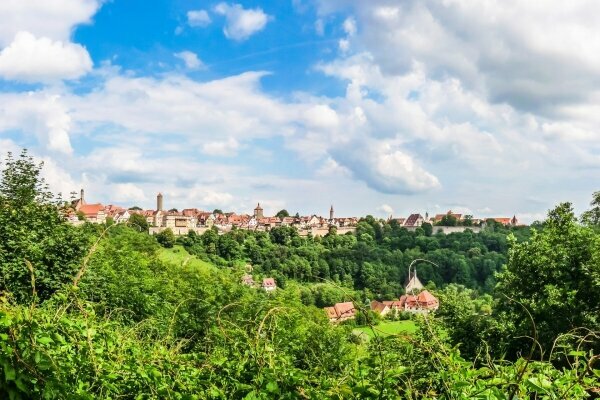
(387, 328)
(177, 255)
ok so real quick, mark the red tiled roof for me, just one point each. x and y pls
(412, 219)
(269, 282)
(91, 209)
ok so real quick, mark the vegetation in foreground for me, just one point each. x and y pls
(102, 312)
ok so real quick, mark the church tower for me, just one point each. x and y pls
(81, 197)
(159, 202)
(331, 213)
(258, 212)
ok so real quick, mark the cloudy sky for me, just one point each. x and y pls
(379, 107)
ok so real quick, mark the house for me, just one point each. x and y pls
(380, 308)
(247, 280)
(414, 220)
(93, 213)
(341, 312)
(422, 303)
(269, 284)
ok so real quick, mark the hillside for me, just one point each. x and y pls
(104, 311)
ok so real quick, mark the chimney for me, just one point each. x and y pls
(159, 202)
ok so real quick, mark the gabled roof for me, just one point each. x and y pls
(412, 219)
(269, 282)
(91, 209)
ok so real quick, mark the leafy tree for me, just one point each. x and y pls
(166, 238)
(135, 208)
(467, 220)
(39, 250)
(554, 277)
(138, 221)
(448, 220)
(591, 217)
(282, 214)
(217, 211)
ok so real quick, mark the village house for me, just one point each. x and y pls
(414, 220)
(247, 280)
(269, 285)
(341, 312)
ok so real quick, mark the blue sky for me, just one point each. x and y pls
(380, 107)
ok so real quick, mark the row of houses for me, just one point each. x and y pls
(417, 300)
(268, 284)
(188, 219)
(416, 220)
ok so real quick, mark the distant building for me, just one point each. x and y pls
(413, 283)
(248, 280)
(258, 212)
(424, 302)
(414, 220)
(341, 312)
(269, 284)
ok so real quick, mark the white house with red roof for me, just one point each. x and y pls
(268, 284)
(341, 312)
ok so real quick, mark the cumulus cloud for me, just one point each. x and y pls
(241, 23)
(32, 59)
(198, 18)
(52, 19)
(190, 59)
(41, 114)
(385, 167)
(385, 209)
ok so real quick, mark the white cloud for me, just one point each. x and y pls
(198, 18)
(385, 209)
(32, 59)
(190, 59)
(349, 26)
(39, 113)
(241, 23)
(53, 19)
(226, 148)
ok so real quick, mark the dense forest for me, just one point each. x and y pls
(96, 312)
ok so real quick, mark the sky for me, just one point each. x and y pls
(382, 107)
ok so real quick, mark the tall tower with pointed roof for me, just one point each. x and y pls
(258, 212)
(331, 213)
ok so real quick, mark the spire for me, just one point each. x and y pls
(81, 197)
(258, 212)
(331, 212)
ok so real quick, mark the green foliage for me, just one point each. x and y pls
(39, 250)
(591, 217)
(551, 284)
(138, 221)
(282, 214)
(166, 238)
(135, 320)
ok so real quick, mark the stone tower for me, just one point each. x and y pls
(81, 196)
(331, 213)
(159, 202)
(258, 212)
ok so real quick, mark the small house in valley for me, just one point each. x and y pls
(341, 312)
(269, 284)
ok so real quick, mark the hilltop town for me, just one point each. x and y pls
(194, 219)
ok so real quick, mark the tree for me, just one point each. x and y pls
(555, 276)
(448, 220)
(217, 211)
(468, 220)
(135, 208)
(591, 217)
(37, 245)
(282, 214)
(138, 222)
(166, 238)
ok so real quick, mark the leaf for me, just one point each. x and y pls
(45, 340)
(272, 387)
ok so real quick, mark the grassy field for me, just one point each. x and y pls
(179, 256)
(389, 328)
